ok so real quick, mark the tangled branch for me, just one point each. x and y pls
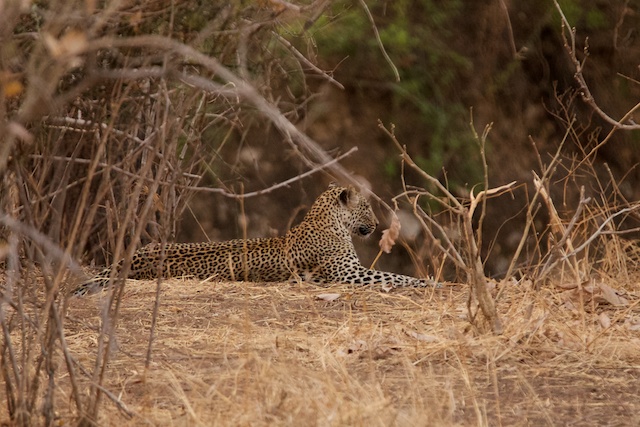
(625, 122)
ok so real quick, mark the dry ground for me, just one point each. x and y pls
(290, 354)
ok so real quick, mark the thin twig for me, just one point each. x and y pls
(104, 126)
(310, 64)
(220, 191)
(565, 236)
(530, 210)
(263, 191)
(111, 309)
(473, 265)
(115, 399)
(452, 253)
(407, 158)
(512, 42)
(379, 40)
(600, 231)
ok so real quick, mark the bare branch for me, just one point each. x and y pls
(243, 88)
(220, 191)
(380, 44)
(585, 92)
(548, 171)
(600, 230)
(407, 158)
(285, 183)
(310, 64)
(42, 240)
(467, 257)
(485, 194)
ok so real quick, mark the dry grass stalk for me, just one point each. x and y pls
(562, 232)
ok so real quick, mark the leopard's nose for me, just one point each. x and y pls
(364, 230)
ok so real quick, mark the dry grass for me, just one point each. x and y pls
(247, 354)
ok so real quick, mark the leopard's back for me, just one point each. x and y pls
(255, 260)
(258, 260)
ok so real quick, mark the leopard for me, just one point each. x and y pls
(319, 250)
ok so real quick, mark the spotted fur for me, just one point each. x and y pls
(320, 249)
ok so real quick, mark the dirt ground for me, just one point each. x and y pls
(297, 354)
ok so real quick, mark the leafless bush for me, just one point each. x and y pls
(462, 252)
(576, 248)
(572, 247)
(111, 118)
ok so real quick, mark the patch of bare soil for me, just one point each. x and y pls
(297, 354)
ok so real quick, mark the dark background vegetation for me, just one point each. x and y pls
(497, 62)
(502, 62)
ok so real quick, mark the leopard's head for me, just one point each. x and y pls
(355, 211)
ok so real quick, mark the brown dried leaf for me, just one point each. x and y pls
(633, 326)
(390, 235)
(611, 296)
(386, 287)
(422, 337)
(328, 297)
(604, 320)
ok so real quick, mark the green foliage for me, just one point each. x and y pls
(427, 99)
(391, 167)
(584, 13)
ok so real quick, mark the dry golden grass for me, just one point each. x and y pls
(249, 354)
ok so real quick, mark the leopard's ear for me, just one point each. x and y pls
(344, 196)
(333, 184)
(348, 196)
